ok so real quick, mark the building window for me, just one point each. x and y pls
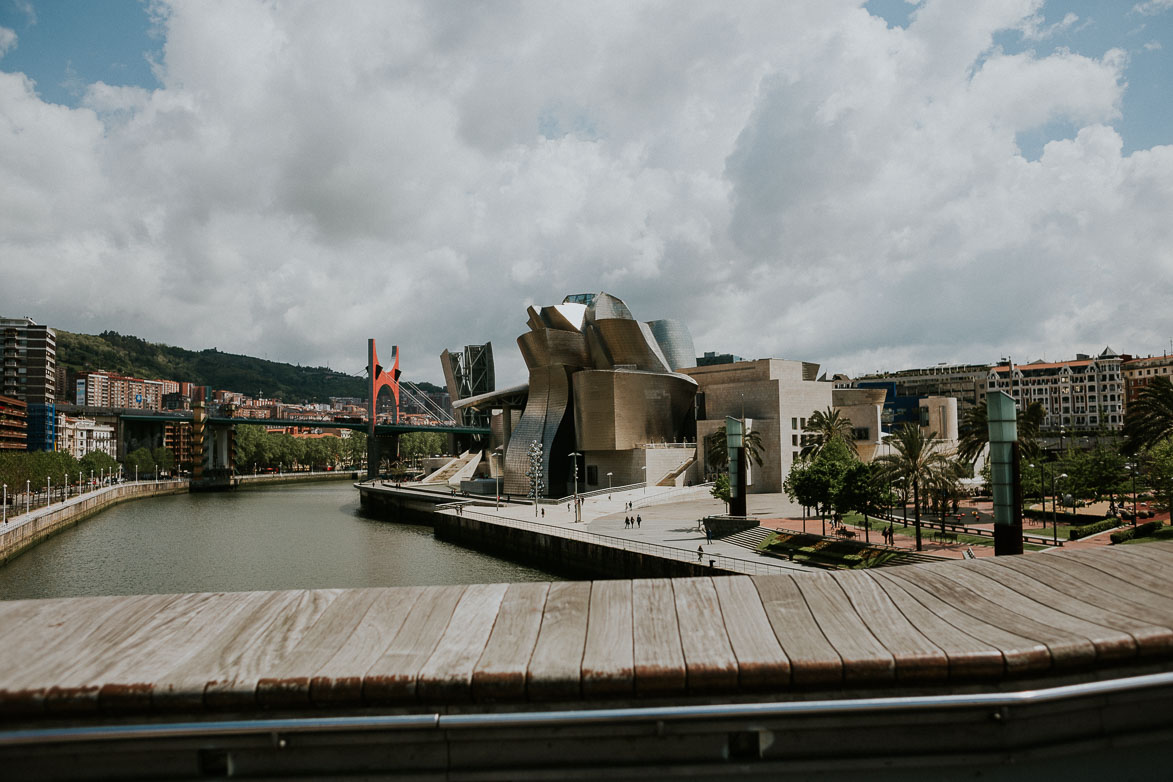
(862, 433)
(793, 423)
(794, 439)
(592, 474)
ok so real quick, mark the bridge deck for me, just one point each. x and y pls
(987, 623)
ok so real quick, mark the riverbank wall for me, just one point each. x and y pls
(273, 479)
(585, 559)
(26, 531)
(578, 555)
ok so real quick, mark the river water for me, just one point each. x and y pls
(287, 537)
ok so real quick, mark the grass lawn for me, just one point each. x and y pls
(1164, 533)
(926, 529)
(827, 552)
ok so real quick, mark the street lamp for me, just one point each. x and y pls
(609, 485)
(28, 486)
(575, 456)
(48, 491)
(1132, 472)
(645, 469)
(1054, 502)
(4, 505)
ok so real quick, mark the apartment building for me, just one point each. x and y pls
(30, 375)
(966, 383)
(107, 389)
(1086, 394)
(79, 436)
(14, 424)
(1139, 372)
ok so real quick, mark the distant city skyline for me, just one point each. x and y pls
(870, 186)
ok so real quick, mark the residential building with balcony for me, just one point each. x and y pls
(14, 424)
(79, 436)
(1139, 372)
(1083, 395)
(29, 353)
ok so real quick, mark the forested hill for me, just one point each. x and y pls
(254, 377)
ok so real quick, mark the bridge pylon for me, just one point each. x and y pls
(379, 379)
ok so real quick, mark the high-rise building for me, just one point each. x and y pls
(106, 389)
(30, 375)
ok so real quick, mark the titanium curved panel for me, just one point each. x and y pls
(542, 418)
(626, 343)
(606, 306)
(550, 347)
(620, 410)
(676, 343)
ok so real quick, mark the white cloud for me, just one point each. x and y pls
(791, 179)
(1152, 7)
(7, 40)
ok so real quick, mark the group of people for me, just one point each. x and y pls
(630, 522)
(888, 535)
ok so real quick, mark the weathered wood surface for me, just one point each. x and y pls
(938, 624)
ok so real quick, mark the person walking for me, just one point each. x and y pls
(700, 553)
(638, 520)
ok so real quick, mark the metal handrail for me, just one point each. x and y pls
(993, 701)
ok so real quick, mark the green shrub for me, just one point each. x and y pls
(1139, 531)
(1075, 533)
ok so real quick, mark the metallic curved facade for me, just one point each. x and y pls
(599, 381)
(675, 343)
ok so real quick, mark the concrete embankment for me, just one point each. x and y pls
(273, 479)
(558, 554)
(23, 532)
(561, 548)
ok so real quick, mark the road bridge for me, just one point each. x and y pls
(1016, 667)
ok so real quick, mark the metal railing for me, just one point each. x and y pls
(716, 561)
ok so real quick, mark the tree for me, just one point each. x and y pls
(819, 482)
(140, 462)
(721, 490)
(824, 427)
(1149, 419)
(96, 462)
(164, 458)
(973, 431)
(717, 450)
(1158, 473)
(863, 489)
(917, 456)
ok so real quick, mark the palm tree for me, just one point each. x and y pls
(917, 459)
(823, 427)
(1149, 419)
(717, 450)
(973, 431)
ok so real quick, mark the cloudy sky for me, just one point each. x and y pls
(866, 185)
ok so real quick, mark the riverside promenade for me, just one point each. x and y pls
(27, 529)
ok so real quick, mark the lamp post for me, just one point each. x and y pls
(4, 504)
(91, 480)
(28, 486)
(48, 491)
(645, 470)
(1132, 472)
(609, 485)
(574, 456)
(1054, 502)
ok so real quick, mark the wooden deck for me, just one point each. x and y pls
(937, 626)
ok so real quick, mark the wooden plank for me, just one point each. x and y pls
(1109, 643)
(761, 663)
(77, 686)
(555, 668)
(916, 658)
(214, 655)
(172, 635)
(708, 656)
(1138, 575)
(393, 676)
(1082, 579)
(813, 660)
(340, 679)
(1151, 558)
(608, 660)
(1019, 653)
(864, 658)
(238, 687)
(447, 674)
(287, 681)
(1064, 648)
(500, 671)
(969, 657)
(48, 636)
(659, 659)
(1086, 603)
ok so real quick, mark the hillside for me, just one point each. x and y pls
(130, 355)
